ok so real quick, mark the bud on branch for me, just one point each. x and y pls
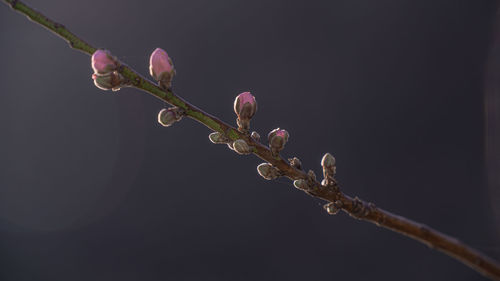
(245, 107)
(277, 140)
(105, 75)
(161, 68)
(167, 117)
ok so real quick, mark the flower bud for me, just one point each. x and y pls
(161, 68)
(268, 171)
(331, 209)
(167, 117)
(103, 62)
(301, 184)
(217, 137)
(311, 176)
(241, 147)
(277, 140)
(245, 107)
(295, 162)
(330, 183)
(311, 180)
(328, 163)
(109, 81)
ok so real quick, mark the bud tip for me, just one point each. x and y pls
(328, 160)
(103, 62)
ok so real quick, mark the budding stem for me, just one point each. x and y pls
(355, 207)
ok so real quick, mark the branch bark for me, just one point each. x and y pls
(329, 192)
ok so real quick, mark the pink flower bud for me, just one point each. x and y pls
(161, 67)
(103, 62)
(282, 134)
(277, 140)
(245, 107)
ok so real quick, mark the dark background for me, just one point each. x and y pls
(93, 188)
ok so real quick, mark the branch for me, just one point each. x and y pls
(327, 190)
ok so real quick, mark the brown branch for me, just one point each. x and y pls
(329, 191)
(434, 239)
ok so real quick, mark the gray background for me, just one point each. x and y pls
(92, 188)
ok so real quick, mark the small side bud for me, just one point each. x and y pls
(245, 107)
(167, 117)
(301, 184)
(311, 176)
(295, 162)
(268, 171)
(110, 81)
(255, 136)
(241, 147)
(277, 140)
(331, 209)
(217, 137)
(306, 184)
(311, 179)
(161, 68)
(103, 62)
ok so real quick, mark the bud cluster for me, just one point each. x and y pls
(106, 76)
(308, 183)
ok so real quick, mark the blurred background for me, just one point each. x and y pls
(405, 94)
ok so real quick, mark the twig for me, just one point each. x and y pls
(328, 191)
